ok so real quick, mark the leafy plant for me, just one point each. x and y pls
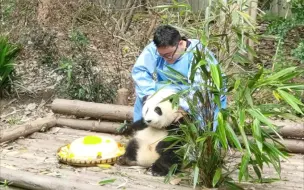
(8, 52)
(5, 183)
(82, 80)
(213, 130)
(299, 52)
(83, 83)
(281, 26)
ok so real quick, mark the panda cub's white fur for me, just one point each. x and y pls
(146, 148)
(147, 140)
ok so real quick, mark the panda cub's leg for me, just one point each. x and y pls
(129, 158)
(167, 158)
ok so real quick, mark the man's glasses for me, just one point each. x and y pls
(166, 56)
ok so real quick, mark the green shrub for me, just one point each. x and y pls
(8, 53)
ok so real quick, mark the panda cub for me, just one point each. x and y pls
(147, 147)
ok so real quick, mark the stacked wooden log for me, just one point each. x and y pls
(108, 117)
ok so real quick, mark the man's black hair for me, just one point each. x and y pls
(166, 35)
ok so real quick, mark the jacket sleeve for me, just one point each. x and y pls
(142, 72)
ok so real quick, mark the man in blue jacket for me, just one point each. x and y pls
(168, 48)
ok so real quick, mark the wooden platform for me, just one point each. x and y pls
(36, 154)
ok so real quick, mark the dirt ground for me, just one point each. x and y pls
(50, 32)
(37, 154)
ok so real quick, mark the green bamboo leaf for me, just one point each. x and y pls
(217, 176)
(195, 177)
(232, 186)
(248, 97)
(201, 139)
(257, 171)
(244, 166)
(233, 137)
(237, 84)
(295, 87)
(221, 130)
(256, 78)
(170, 173)
(256, 114)
(171, 138)
(204, 39)
(291, 100)
(256, 131)
(289, 76)
(281, 73)
(246, 18)
(106, 181)
(238, 57)
(175, 74)
(215, 74)
(242, 131)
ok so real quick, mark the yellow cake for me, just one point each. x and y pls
(91, 148)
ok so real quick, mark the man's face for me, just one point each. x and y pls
(170, 53)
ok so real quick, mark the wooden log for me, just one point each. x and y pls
(291, 145)
(90, 125)
(27, 129)
(78, 133)
(90, 109)
(37, 182)
(289, 128)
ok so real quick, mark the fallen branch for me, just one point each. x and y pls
(32, 181)
(26, 129)
(90, 125)
(90, 109)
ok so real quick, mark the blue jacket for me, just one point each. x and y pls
(148, 71)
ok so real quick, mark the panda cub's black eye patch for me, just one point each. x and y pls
(158, 111)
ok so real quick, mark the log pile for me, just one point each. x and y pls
(107, 118)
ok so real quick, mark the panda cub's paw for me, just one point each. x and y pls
(157, 171)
